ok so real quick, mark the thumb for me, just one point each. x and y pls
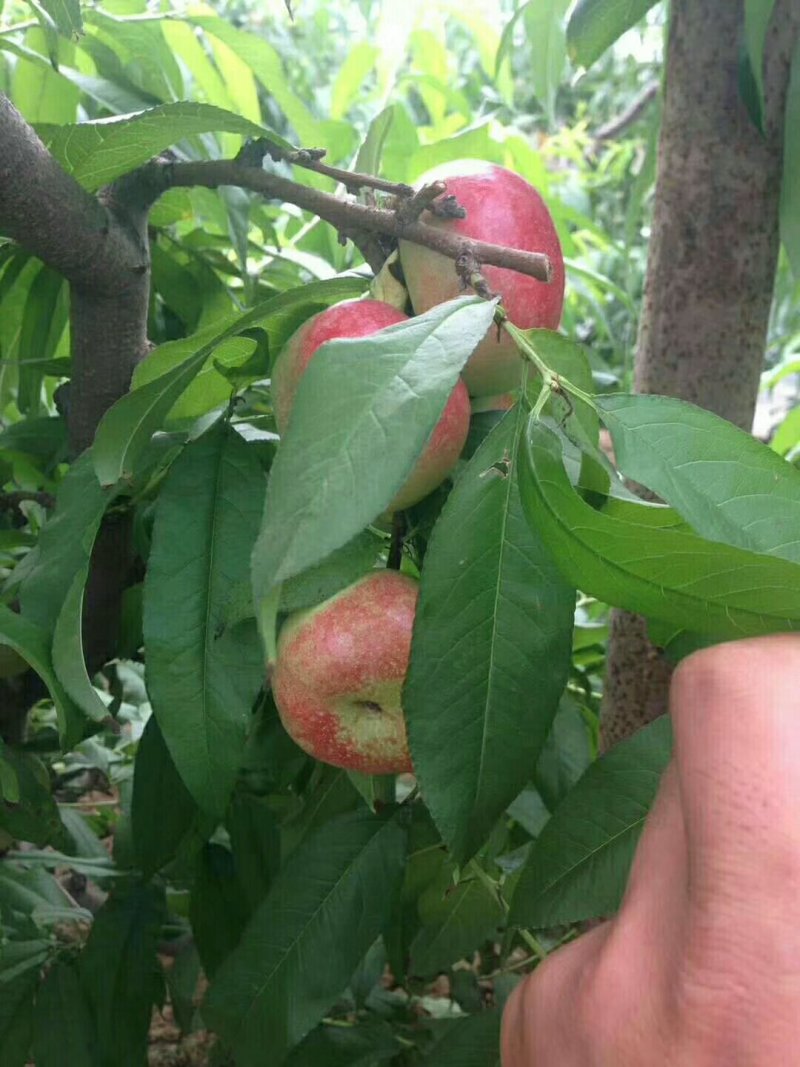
(736, 718)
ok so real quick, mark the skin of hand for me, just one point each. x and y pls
(701, 965)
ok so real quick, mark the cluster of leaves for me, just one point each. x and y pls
(292, 885)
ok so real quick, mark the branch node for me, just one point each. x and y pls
(253, 151)
(408, 210)
(303, 156)
(447, 207)
(468, 268)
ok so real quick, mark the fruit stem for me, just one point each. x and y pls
(267, 616)
(556, 383)
(383, 790)
(533, 943)
(395, 557)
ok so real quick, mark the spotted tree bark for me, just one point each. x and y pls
(711, 265)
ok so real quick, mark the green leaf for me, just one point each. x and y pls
(203, 679)
(63, 1030)
(51, 594)
(702, 585)
(43, 438)
(353, 73)
(338, 570)
(370, 153)
(105, 92)
(119, 972)
(278, 317)
(787, 436)
(529, 811)
(127, 427)
(182, 978)
(218, 910)
(82, 842)
(473, 1041)
(595, 25)
(727, 485)
(547, 50)
(566, 753)
(38, 89)
(507, 37)
(757, 14)
(9, 782)
(790, 184)
(578, 866)
(66, 14)
(68, 659)
(330, 795)
(237, 77)
(364, 1045)
(49, 859)
(256, 844)
(362, 415)
(326, 907)
(28, 892)
(426, 864)
(162, 809)
(456, 920)
(32, 642)
(34, 815)
(266, 64)
(490, 651)
(42, 325)
(576, 417)
(143, 53)
(16, 1015)
(65, 543)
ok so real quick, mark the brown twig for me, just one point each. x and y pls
(620, 123)
(311, 159)
(410, 209)
(349, 217)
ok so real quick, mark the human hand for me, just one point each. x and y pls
(701, 966)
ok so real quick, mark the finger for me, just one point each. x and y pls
(736, 717)
(539, 1026)
(655, 898)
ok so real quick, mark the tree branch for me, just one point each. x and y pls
(621, 122)
(311, 159)
(50, 215)
(99, 244)
(349, 217)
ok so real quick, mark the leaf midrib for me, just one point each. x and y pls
(620, 571)
(284, 956)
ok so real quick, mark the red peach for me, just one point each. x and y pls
(501, 208)
(339, 674)
(359, 318)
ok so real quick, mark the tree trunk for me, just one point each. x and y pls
(99, 244)
(711, 266)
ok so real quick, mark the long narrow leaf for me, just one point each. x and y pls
(578, 866)
(725, 484)
(364, 410)
(595, 25)
(203, 678)
(301, 947)
(677, 577)
(128, 426)
(491, 648)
